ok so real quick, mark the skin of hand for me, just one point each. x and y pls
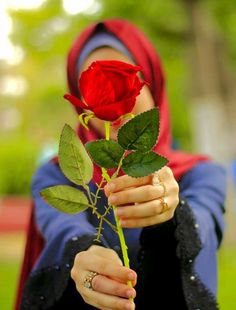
(138, 202)
(110, 290)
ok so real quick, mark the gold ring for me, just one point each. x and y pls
(89, 278)
(155, 179)
(164, 204)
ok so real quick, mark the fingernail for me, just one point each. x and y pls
(119, 212)
(129, 306)
(130, 293)
(122, 222)
(131, 276)
(112, 199)
(110, 187)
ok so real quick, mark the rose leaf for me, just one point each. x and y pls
(141, 132)
(74, 161)
(105, 153)
(65, 198)
(138, 164)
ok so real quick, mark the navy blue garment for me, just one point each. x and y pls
(191, 238)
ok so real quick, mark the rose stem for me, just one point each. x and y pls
(118, 226)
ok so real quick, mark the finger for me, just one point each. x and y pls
(138, 194)
(148, 221)
(125, 182)
(146, 209)
(109, 286)
(106, 253)
(165, 174)
(168, 180)
(104, 266)
(101, 301)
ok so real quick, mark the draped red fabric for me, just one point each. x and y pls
(144, 55)
(33, 246)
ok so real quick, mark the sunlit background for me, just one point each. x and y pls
(196, 42)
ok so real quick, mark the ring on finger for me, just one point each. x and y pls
(164, 204)
(88, 279)
(156, 181)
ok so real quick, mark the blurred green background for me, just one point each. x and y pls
(188, 35)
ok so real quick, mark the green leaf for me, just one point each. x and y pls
(105, 153)
(141, 132)
(74, 161)
(140, 164)
(65, 198)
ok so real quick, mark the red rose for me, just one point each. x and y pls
(109, 89)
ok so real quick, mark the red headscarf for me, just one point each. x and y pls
(145, 56)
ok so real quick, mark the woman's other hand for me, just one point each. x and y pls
(109, 289)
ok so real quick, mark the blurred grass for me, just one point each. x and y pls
(9, 271)
(227, 278)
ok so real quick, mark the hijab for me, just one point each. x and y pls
(136, 44)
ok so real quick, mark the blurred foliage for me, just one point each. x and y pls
(46, 35)
(224, 14)
(17, 164)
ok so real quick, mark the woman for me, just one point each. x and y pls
(172, 250)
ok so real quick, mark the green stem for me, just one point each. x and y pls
(118, 226)
(107, 130)
(122, 241)
(122, 244)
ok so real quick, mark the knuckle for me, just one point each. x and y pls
(176, 201)
(73, 273)
(149, 191)
(80, 256)
(174, 188)
(110, 253)
(168, 171)
(171, 213)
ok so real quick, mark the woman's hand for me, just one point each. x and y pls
(109, 287)
(139, 202)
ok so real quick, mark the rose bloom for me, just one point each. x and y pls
(108, 88)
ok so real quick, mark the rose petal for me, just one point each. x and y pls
(119, 65)
(75, 101)
(112, 112)
(95, 87)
